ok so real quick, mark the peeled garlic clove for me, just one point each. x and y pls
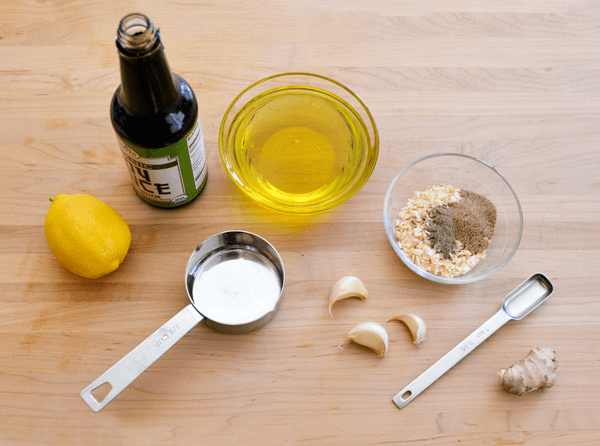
(348, 286)
(415, 324)
(371, 335)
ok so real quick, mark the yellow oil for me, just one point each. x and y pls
(298, 146)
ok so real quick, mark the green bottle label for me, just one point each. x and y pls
(169, 176)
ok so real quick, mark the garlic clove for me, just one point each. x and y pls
(415, 324)
(348, 286)
(371, 335)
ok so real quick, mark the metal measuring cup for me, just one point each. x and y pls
(234, 281)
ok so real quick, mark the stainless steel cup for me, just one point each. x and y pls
(234, 281)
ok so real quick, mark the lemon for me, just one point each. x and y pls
(87, 236)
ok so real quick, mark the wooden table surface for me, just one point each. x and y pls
(515, 83)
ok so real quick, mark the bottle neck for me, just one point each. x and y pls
(147, 84)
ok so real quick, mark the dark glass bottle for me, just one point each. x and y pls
(155, 115)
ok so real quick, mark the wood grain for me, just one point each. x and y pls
(514, 83)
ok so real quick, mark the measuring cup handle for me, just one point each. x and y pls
(448, 361)
(124, 372)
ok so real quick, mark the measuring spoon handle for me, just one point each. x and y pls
(124, 372)
(411, 391)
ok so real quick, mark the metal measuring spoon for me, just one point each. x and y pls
(516, 305)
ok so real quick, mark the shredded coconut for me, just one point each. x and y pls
(412, 234)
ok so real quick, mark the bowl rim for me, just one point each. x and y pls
(421, 272)
(373, 147)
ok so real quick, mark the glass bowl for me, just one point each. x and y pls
(298, 142)
(461, 172)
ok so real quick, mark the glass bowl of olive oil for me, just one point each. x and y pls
(298, 142)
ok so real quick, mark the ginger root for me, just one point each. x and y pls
(536, 371)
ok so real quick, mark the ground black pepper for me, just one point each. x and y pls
(470, 220)
(441, 230)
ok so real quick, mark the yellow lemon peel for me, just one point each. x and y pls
(87, 236)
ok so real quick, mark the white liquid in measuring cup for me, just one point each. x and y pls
(236, 291)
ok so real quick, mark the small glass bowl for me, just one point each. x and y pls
(461, 172)
(298, 142)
